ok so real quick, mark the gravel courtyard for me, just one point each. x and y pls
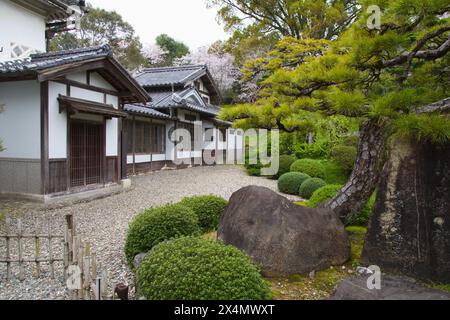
(104, 222)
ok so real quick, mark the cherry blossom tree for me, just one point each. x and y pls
(220, 64)
(155, 54)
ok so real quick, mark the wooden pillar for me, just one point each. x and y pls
(45, 173)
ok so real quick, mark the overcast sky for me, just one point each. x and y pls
(185, 20)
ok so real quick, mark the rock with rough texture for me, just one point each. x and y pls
(283, 238)
(392, 288)
(409, 232)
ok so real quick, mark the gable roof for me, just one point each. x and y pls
(179, 99)
(179, 76)
(48, 66)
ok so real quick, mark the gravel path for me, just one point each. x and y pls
(104, 222)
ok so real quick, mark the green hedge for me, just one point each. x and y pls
(286, 162)
(198, 269)
(310, 186)
(323, 194)
(345, 157)
(290, 183)
(313, 168)
(208, 209)
(156, 225)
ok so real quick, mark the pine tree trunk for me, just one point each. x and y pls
(366, 173)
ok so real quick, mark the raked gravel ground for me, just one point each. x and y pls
(104, 222)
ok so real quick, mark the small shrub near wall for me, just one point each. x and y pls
(208, 209)
(290, 183)
(156, 225)
(323, 194)
(313, 168)
(198, 269)
(310, 186)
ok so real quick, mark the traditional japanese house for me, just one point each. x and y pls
(62, 114)
(181, 97)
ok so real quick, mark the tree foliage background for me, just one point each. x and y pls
(99, 27)
(378, 74)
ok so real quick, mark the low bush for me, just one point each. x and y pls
(290, 183)
(199, 269)
(286, 162)
(345, 157)
(254, 169)
(310, 186)
(323, 194)
(313, 168)
(156, 225)
(334, 173)
(208, 209)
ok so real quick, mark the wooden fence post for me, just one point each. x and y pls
(20, 248)
(8, 254)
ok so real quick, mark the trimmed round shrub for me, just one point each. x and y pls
(310, 186)
(312, 168)
(345, 157)
(285, 164)
(208, 209)
(323, 194)
(199, 269)
(289, 183)
(156, 225)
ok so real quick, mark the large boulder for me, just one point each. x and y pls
(283, 238)
(409, 232)
(392, 288)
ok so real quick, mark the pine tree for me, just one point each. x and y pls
(383, 75)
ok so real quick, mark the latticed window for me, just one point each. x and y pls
(148, 138)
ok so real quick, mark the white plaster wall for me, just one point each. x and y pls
(78, 77)
(20, 121)
(112, 129)
(21, 26)
(57, 123)
(97, 80)
(86, 94)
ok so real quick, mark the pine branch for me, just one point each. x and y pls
(422, 54)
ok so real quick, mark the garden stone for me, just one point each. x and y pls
(283, 238)
(409, 232)
(138, 259)
(392, 288)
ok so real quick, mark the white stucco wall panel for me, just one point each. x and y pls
(112, 129)
(20, 26)
(97, 80)
(20, 121)
(87, 94)
(57, 123)
(112, 100)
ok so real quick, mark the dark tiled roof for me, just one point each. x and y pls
(167, 76)
(145, 110)
(42, 61)
(169, 99)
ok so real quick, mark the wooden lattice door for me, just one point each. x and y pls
(86, 153)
